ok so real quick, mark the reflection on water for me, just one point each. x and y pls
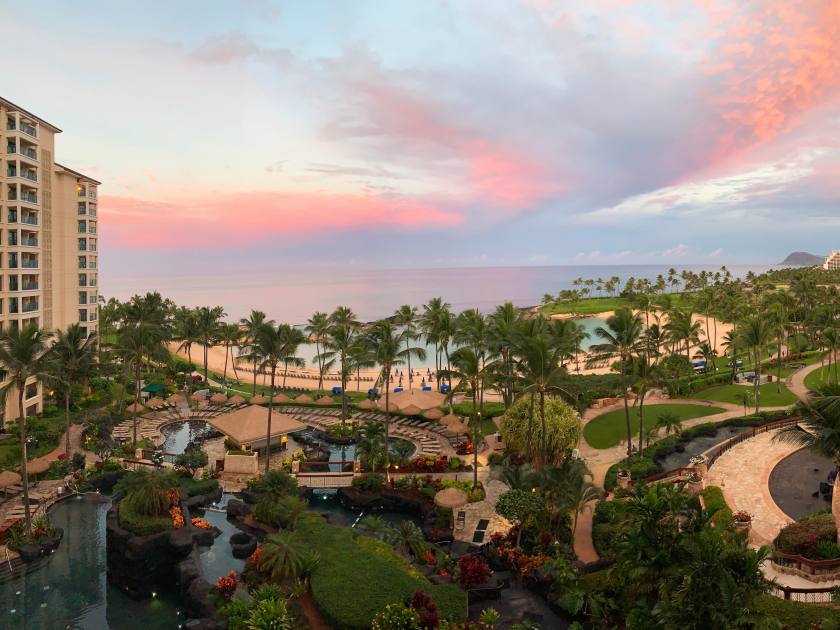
(178, 436)
(327, 501)
(69, 589)
(218, 560)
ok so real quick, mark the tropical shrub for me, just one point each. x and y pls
(270, 614)
(370, 481)
(425, 605)
(147, 491)
(716, 505)
(396, 617)
(803, 537)
(191, 460)
(226, 585)
(562, 427)
(473, 571)
(142, 524)
(274, 485)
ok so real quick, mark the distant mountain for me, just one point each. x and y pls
(803, 259)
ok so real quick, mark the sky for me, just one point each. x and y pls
(387, 134)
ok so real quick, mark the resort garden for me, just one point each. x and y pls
(454, 470)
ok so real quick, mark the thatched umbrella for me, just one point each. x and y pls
(9, 478)
(135, 407)
(433, 414)
(304, 399)
(198, 397)
(392, 407)
(457, 427)
(218, 398)
(175, 398)
(411, 410)
(236, 400)
(450, 418)
(259, 399)
(154, 403)
(325, 400)
(451, 498)
(367, 403)
(280, 399)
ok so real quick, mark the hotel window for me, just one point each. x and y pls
(93, 315)
(82, 297)
(82, 207)
(92, 281)
(82, 227)
(13, 305)
(92, 245)
(31, 390)
(82, 315)
(13, 283)
(12, 215)
(82, 280)
(12, 237)
(82, 262)
(1, 309)
(82, 244)
(13, 261)
(82, 191)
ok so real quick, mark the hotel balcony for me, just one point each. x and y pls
(29, 262)
(28, 239)
(30, 218)
(28, 283)
(28, 305)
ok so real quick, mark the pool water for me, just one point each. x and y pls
(794, 481)
(217, 560)
(337, 452)
(178, 436)
(327, 501)
(69, 589)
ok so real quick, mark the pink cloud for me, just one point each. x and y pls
(242, 218)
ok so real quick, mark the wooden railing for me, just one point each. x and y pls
(821, 595)
(715, 452)
(806, 565)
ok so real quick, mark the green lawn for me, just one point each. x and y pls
(45, 432)
(820, 376)
(589, 306)
(609, 429)
(769, 397)
(357, 576)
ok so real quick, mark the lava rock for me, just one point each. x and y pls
(237, 508)
(242, 545)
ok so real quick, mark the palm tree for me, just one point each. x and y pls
(819, 430)
(344, 316)
(186, 331)
(540, 374)
(292, 339)
(135, 344)
(282, 555)
(622, 341)
(647, 375)
(251, 327)
(388, 351)
(669, 421)
(72, 359)
(505, 323)
(360, 356)
(317, 327)
(430, 324)
(270, 346)
(22, 355)
(406, 316)
(208, 323)
(755, 333)
(230, 335)
(469, 375)
(340, 343)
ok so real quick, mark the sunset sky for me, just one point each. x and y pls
(437, 133)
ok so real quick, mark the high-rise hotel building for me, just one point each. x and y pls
(48, 235)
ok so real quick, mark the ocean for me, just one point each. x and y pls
(293, 295)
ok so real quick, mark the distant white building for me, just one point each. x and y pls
(832, 262)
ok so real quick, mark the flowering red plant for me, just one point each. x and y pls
(425, 605)
(227, 585)
(254, 559)
(473, 570)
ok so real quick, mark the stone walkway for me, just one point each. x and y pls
(483, 510)
(742, 473)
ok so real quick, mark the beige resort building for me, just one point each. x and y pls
(48, 235)
(832, 261)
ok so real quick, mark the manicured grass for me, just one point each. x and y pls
(609, 429)
(768, 396)
(798, 616)
(820, 377)
(356, 577)
(47, 432)
(588, 306)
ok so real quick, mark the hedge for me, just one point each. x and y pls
(796, 616)
(195, 487)
(606, 524)
(141, 524)
(716, 503)
(647, 463)
(357, 577)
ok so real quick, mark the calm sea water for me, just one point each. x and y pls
(293, 295)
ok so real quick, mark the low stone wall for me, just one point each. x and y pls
(241, 464)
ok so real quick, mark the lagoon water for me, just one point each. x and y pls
(292, 295)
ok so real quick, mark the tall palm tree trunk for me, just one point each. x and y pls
(268, 432)
(320, 365)
(136, 400)
(757, 384)
(641, 419)
(626, 411)
(254, 390)
(344, 413)
(188, 380)
(410, 373)
(387, 424)
(543, 451)
(224, 372)
(476, 428)
(67, 419)
(206, 342)
(24, 472)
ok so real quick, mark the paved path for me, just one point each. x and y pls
(742, 473)
(600, 460)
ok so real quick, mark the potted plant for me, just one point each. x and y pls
(623, 479)
(742, 521)
(694, 483)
